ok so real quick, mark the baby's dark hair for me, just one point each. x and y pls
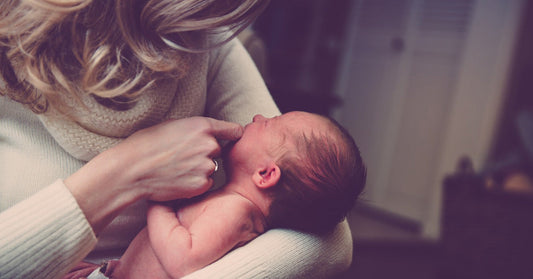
(319, 183)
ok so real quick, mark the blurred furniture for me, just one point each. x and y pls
(487, 231)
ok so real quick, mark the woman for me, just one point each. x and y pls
(89, 90)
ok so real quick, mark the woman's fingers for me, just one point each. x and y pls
(224, 130)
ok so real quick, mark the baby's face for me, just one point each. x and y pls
(264, 137)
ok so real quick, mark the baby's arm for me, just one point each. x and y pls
(181, 250)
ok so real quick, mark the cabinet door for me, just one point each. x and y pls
(371, 95)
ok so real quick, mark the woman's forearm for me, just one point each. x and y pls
(101, 188)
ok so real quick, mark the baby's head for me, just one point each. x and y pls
(315, 165)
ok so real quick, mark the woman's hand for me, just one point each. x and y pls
(168, 161)
(174, 159)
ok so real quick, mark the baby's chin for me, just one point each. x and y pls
(226, 150)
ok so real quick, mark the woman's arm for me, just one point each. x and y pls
(43, 236)
(285, 254)
(42, 229)
(236, 93)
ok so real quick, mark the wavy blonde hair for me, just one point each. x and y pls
(113, 49)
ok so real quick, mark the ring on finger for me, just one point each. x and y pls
(216, 165)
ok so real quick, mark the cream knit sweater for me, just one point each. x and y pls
(43, 231)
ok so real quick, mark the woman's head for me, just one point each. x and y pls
(106, 48)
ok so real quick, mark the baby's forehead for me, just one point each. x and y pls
(304, 122)
(309, 128)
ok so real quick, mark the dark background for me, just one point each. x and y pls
(304, 42)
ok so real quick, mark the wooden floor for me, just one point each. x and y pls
(383, 260)
(386, 249)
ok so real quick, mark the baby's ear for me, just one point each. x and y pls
(267, 176)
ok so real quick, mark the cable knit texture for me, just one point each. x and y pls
(43, 231)
(93, 128)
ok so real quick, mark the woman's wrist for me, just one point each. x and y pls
(103, 187)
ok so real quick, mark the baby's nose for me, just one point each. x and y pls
(259, 117)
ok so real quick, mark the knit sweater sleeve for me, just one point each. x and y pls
(236, 92)
(42, 236)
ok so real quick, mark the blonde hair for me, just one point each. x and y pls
(113, 49)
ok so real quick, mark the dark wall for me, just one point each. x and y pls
(304, 40)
